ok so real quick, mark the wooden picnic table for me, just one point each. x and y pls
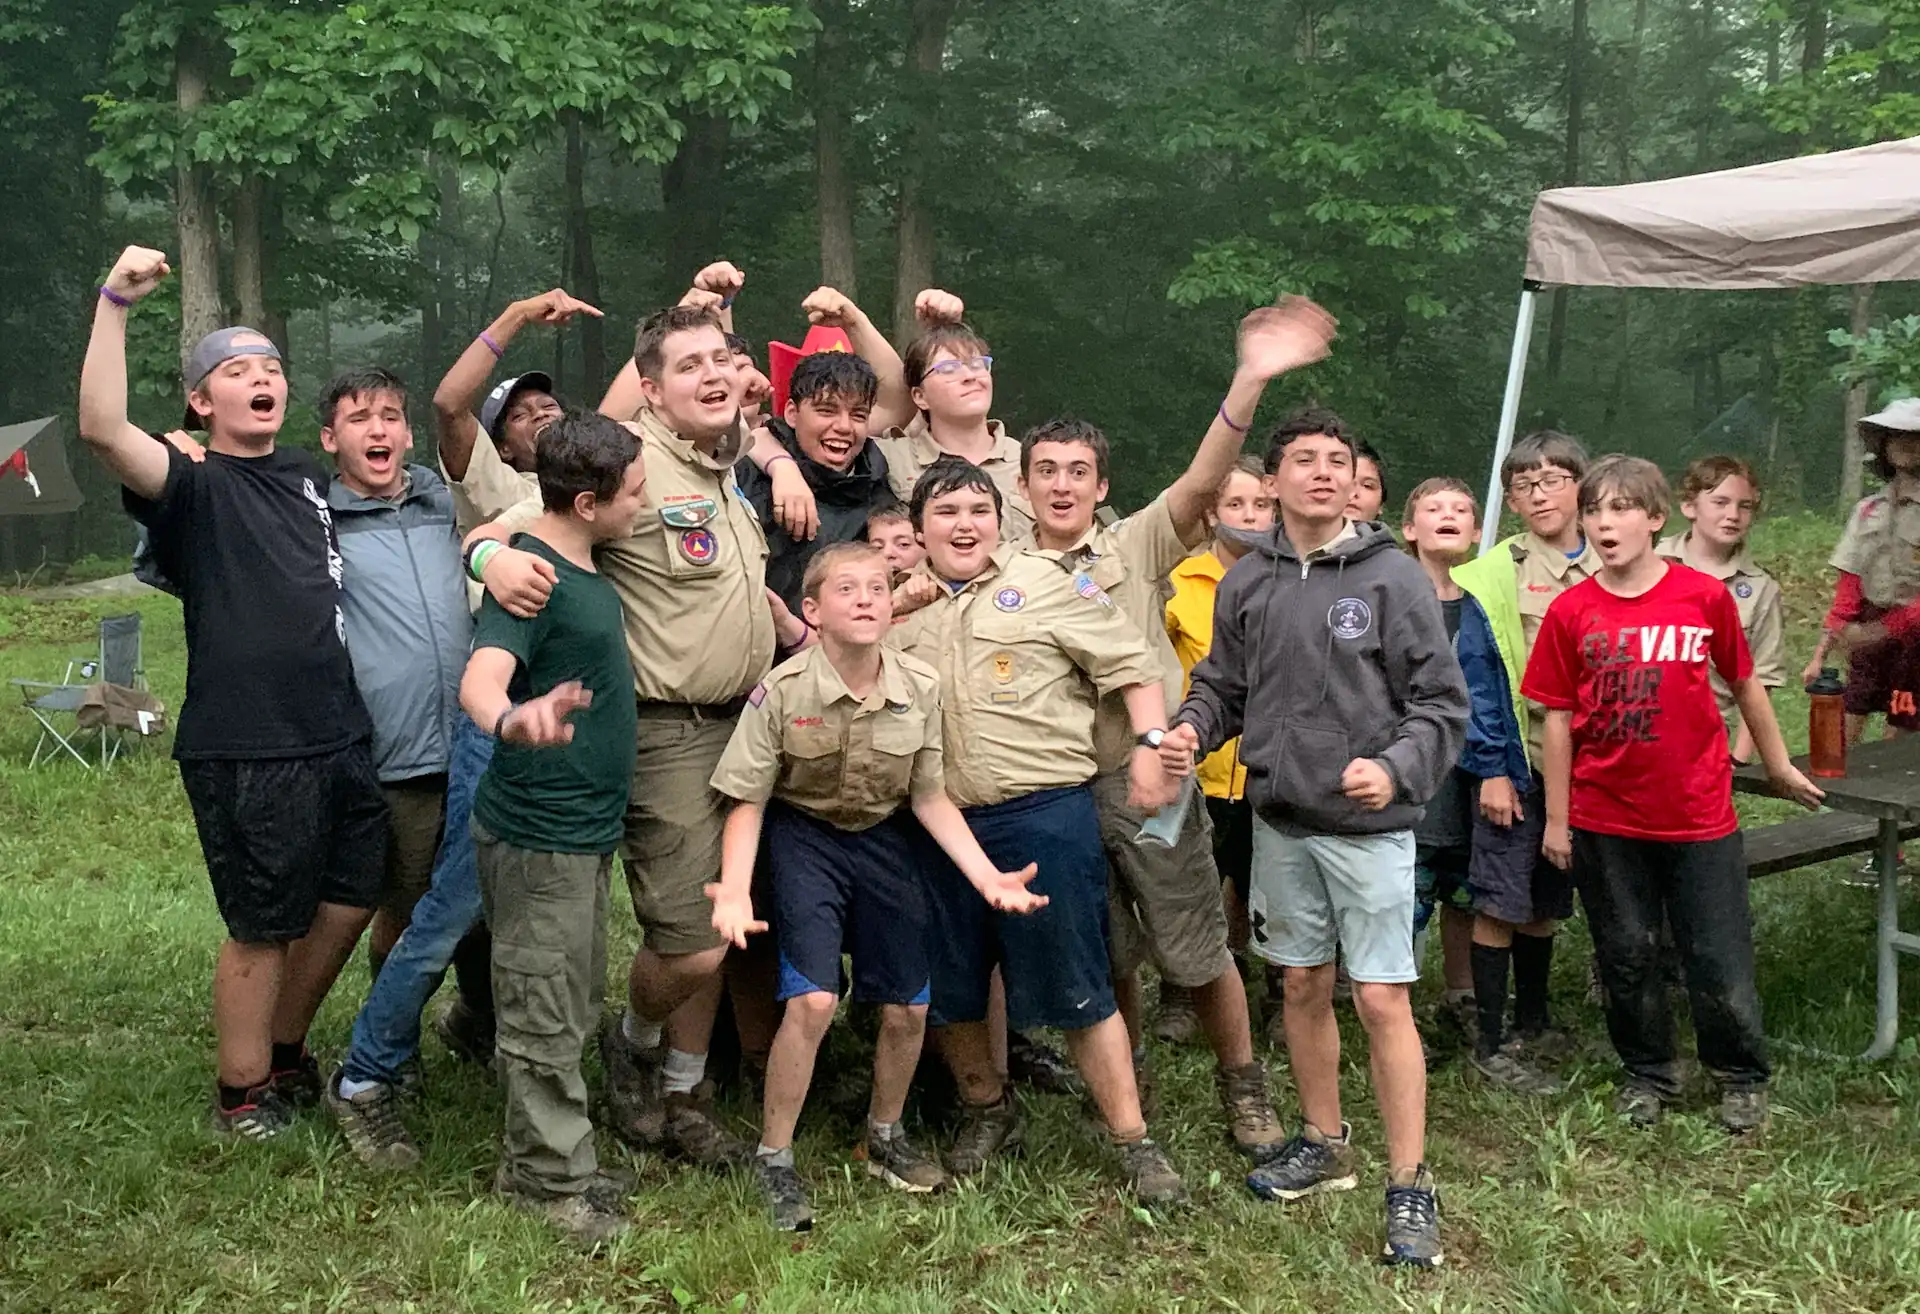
(1882, 782)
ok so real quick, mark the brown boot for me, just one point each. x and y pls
(1251, 1121)
(695, 1133)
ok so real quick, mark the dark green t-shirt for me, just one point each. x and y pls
(570, 798)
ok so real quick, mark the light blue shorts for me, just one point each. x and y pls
(1312, 894)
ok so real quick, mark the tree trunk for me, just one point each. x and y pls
(583, 278)
(1852, 451)
(193, 205)
(693, 194)
(249, 273)
(834, 191)
(1813, 37)
(1570, 169)
(436, 304)
(913, 267)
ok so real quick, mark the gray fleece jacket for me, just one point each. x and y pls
(1318, 662)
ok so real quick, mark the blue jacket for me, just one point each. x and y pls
(1496, 745)
(408, 628)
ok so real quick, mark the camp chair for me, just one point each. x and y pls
(119, 663)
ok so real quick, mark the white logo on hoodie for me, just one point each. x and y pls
(1349, 618)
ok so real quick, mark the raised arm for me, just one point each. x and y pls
(453, 400)
(136, 460)
(891, 405)
(1290, 334)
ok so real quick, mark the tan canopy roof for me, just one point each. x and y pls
(1849, 217)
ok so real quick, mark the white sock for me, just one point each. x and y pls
(639, 1032)
(781, 1158)
(682, 1072)
(348, 1089)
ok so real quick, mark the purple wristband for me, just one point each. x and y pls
(492, 346)
(1228, 421)
(773, 461)
(115, 297)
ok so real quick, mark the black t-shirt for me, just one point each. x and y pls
(1448, 823)
(250, 544)
(844, 500)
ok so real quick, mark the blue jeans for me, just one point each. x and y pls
(387, 1032)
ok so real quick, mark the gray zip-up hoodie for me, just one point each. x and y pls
(1318, 662)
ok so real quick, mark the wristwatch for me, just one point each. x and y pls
(1151, 739)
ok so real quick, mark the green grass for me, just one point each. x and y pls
(113, 1197)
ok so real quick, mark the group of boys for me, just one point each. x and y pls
(866, 676)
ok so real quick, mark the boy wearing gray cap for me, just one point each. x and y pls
(273, 740)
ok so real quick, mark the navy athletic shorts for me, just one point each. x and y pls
(858, 892)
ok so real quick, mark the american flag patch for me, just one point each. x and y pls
(1083, 585)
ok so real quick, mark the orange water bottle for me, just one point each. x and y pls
(1827, 725)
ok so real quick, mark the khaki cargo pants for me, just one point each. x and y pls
(548, 912)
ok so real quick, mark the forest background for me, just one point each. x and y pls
(1109, 183)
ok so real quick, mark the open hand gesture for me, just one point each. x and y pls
(137, 272)
(556, 307)
(733, 919)
(542, 722)
(1007, 891)
(1287, 335)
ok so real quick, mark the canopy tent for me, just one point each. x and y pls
(1849, 217)
(34, 477)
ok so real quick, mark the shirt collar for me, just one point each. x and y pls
(1347, 531)
(1681, 547)
(920, 434)
(724, 454)
(1559, 563)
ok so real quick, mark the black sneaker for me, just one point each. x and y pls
(987, 1132)
(467, 1035)
(634, 1109)
(264, 1115)
(1309, 1164)
(900, 1164)
(1034, 1063)
(785, 1194)
(1413, 1222)
(1151, 1176)
(300, 1084)
(372, 1125)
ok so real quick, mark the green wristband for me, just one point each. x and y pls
(477, 562)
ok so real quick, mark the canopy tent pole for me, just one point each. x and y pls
(1509, 412)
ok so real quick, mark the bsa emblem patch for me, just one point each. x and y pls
(698, 546)
(1009, 599)
(1742, 589)
(1349, 618)
(1083, 585)
(1003, 667)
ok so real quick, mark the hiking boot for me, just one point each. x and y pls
(1034, 1063)
(1176, 1022)
(1309, 1164)
(1459, 1013)
(371, 1123)
(264, 1115)
(900, 1164)
(1743, 1110)
(609, 1188)
(634, 1111)
(410, 1083)
(1508, 1069)
(987, 1132)
(1546, 1045)
(1413, 1221)
(784, 1192)
(588, 1219)
(1150, 1174)
(1251, 1121)
(298, 1085)
(1640, 1105)
(467, 1035)
(694, 1133)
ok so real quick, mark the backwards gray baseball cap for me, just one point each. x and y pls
(216, 349)
(502, 397)
(1902, 416)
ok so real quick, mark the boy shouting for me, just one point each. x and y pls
(830, 746)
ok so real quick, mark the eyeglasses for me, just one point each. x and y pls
(1546, 483)
(967, 365)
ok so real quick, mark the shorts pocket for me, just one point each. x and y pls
(532, 1000)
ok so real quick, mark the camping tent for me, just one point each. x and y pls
(1849, 217)
(34, 477)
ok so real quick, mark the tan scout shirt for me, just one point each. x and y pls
(490, 487)
(692, 578)
(1544, 572)
(1882, 546)
(911, 450)
(1022, 656)
(1128, 560)
(1756, 595)
(807, 741)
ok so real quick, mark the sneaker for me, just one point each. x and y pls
(694, 1133)
(467, 1035)
(1413, 1222)
(609, 1188)
(987, 1132)
(785, 1193)
(589, 1218)
(1640, 1105)
(1743, 1110)
(1458, 1012)
(1309, 1164)
(1251, 1121)
(264, 1115)
(1034, 1063)
(300, 1084)
(371, 1123)
(633, 1105)
(1150, 1174)
(1507, 1068)
(1547, 1045)
(1176, 1022)
(900, 1164)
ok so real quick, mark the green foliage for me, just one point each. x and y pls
(1888, 355)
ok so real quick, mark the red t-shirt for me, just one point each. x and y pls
(1650, 756)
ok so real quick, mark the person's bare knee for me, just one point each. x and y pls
(812, 1013)
(903, 1021)
(1382, 1004)
(1309, 988)
(1492, 932)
